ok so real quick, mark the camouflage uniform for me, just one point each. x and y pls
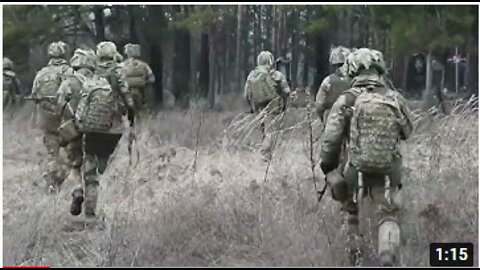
(89, 153)
(11, 88)
(48, 113)
(336, 132)
(273, 108)
(141, 95)
(333, 85)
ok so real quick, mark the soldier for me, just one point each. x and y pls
(109, 69)
(11, 85)
(264, 89)
(373, 119)
(139, 77)
(118, 59)
(89, 149)
(45, 87)
(334, 84)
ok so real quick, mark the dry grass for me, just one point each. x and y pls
(221, 212)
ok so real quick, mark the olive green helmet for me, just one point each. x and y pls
(84, 59)
(7, 63)
(132, 50)
(106, 49)
(265, 58)
(57, 49)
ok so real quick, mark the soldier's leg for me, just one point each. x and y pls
(91, 184)
(54, 174)
(351, 210)
(387, 206)
(273, 125)
(267, 142)
(75, 155)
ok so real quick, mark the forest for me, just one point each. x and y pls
(206, 51)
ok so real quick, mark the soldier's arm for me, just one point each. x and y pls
(35, 85)
(150, 76)
(282, 83)
(247, 85)
(320, 99)
(16, 86)
(335, 131)
(123, 88)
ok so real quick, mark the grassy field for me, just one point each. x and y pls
(202, 196)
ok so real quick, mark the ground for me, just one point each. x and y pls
(201, 195)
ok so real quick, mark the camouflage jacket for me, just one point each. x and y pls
(54, 64)
(338, 125)
(330, 89)
(150, 78)
(283, 88)
(113, 72)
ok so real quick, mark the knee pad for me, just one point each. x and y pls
(388, 242)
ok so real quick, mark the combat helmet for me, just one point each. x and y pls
(7, 64)
(57, 49)
(338, 55)
(265, 58)
(132, 50)
(364, 59)
(84, 59)
(106, 49)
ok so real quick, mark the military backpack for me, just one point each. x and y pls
(96, 105)
(374, 131)
(262, 86)
(135, 73)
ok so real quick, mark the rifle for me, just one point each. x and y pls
(39, 99)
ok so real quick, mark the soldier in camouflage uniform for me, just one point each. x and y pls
(349, 186)
(139, 77)
(45, 85)
(89, 152)
(11, 88)
(272, 107)
(334, 84)
(109, 69)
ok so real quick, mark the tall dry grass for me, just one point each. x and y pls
(200, 196)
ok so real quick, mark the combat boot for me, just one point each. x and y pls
(77, 201)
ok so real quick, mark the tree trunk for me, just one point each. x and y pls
(204, 65)
(181, 66)
(156, 63)
(211, 60)
(99, 23)
(428, 94)
(131, 26)
(294, 46)
(238, 55)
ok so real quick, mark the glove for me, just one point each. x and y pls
(327, 167)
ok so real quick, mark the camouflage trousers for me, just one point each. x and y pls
(271, 123)
(54, 172)
(377, 212)
(89, 156)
